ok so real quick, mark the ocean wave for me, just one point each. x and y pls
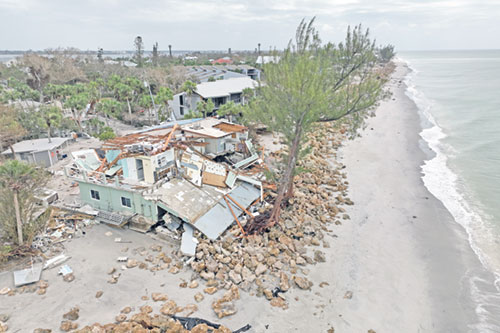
(444, 184)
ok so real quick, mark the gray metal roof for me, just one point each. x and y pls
(37, 145)
(219, 218)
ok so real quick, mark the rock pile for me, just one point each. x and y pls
(145, 322)
(279, 258)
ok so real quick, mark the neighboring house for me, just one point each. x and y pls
(261, 60)
(217, 72)
(221, 61)
(247, 70)
(39, 151)
(206, 73)
(220, 92)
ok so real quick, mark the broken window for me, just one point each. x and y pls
(95, 194)
(126, 202)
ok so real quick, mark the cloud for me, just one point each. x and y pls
(241, 24)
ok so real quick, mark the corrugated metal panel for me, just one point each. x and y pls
(219, 218)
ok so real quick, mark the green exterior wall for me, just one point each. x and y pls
(110, 200)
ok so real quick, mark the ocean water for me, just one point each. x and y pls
(458, 96)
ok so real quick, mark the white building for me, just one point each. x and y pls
(219, 92)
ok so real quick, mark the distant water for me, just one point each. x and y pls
(458, 94)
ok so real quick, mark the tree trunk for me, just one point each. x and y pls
(286, 182)
(77, 119)
(48, 134)
(129, 109)
(18, 220)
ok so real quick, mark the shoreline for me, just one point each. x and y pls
(402, 254)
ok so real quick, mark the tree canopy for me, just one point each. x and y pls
(314, 82)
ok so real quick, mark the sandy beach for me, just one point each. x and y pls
(400, 256)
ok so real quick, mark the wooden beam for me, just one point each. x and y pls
(235, 217)
(240, 206)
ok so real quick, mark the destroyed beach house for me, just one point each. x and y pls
(167, 176)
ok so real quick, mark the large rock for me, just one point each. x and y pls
(207, 275)
(224, 309)
(72, 314)
(210, 290)
(247, 275)
(319, 256)
(235, 277)
(67, 326)
(302, 283)
(142, 318)
(198, 297)
(159, 297)
(126, 310)
(169, 308)
(261, 268)
(120, 318)
(146, 309)
(279, 302)
(284, 281)
(131, 263)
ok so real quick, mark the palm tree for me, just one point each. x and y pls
(14, 175)
(189, 87)
(52, 116)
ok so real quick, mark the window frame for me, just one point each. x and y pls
(94, 195)
(129, 201)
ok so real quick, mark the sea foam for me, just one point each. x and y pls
(443, 183)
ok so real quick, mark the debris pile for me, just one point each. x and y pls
(277, 260)
(61, 226)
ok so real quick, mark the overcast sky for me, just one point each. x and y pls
(219, 24)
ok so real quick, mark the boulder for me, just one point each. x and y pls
(159, 297)
(284, 282)
(126, 310)
(210, 290)
(302, 282)
(131, 263)
(146, 309)
(67, 326)
(193, 284)
(169, 308)
(319, 256)
(72, 314)
(261, 268)
(198, 297)
(235, 277)
(279, 302)
(120, 318)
